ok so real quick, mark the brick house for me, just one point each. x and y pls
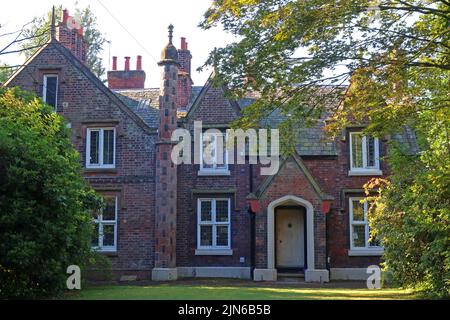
(165, 221)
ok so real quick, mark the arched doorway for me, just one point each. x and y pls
(290, 239)
(297, 206)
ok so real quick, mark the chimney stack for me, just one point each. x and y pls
(71, 35)
(184, 75)
(126, 79)
(139, 63)
(114, 64)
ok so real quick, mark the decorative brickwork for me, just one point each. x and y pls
(166, 171)
(71, 35)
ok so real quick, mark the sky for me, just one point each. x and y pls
(146, 20)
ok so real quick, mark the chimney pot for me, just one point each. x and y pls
(114, 66)
(65, 16)
(127, 63)
(184, 44)
(139, 63)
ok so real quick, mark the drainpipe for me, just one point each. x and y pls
(252, 228)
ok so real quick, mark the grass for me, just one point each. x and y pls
(235, 291)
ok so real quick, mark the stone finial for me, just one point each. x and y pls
(170, 33)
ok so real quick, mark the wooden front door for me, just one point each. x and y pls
(290, 238)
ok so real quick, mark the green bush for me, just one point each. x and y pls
(412, 216)
(45, 204)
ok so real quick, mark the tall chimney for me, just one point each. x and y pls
(139, 63)
(184, 75)
(127, 63)
(184, 44)
(114, 64)
(71, 35)
(65, 16)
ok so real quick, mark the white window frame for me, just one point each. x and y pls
(44, 88)
(213, 223)
(214, 170)
(367, 250)
(102, 223)
(100, 165)
(365, 169)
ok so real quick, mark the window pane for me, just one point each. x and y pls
(206, 211)
(374, 242)
(222, 236)
(51, 90)
(94, 242)
(359, 236)
(208, 151)
(108, 235)
(109, 213)
(222, 211)
(94, 147)
(357, 157)
(358, 211)
(221, 155)
(108, 147)
(206, 235)
(370, 151)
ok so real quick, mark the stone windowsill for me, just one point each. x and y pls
(369, 172)
(213, 252)
(100, 170)
(365, 252)
(214, 173)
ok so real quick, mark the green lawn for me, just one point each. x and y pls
(231, 291)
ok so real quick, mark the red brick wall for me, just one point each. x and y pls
(332, 175)
(84, 105)
(213, 109)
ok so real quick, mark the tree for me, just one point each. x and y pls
(289, 49)
(45, 204)
(5, 72)
(383, 64)
(94, 38)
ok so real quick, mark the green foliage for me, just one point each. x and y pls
(412, 209)
(45, 204)
(94, 39)
(394, 59)
(39, 34)
(289, 50)
(5, 72)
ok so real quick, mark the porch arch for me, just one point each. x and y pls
(289, 200)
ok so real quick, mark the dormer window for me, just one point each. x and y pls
(50, 89)
(214, 156)
(364, 155)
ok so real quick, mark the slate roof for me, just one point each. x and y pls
(143, 102)
(311, 140)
